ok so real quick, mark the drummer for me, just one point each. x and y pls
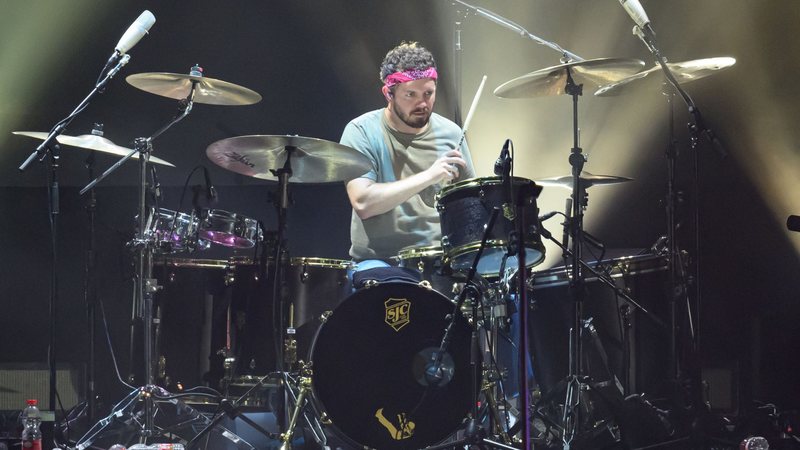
(414, 152)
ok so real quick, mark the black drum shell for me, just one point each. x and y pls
(465, 209)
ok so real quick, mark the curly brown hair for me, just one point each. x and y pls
(406, 56)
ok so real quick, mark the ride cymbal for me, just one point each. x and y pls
(553, 80)
(313, 160)
(91, 142)
(207, 90)
(684, 72)
(587, 180)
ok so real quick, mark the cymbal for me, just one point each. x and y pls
(587, 180)
(553, 80)
(208, 90)
(313, 160)
(92, 142)
(684, 72)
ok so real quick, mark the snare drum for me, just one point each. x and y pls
(464, 210)
(370, 358)
(229, 229)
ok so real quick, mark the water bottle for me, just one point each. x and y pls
(754, 443)
(31, 420)
(156, 447)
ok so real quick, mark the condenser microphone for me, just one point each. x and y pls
(636, 11)
(132, 35)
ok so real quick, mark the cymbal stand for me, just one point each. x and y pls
(146, 285)
(281, 202)
(571, 415)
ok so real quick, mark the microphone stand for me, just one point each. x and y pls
(50, 147)
(517, 29)
(435, 372)
(697, 128)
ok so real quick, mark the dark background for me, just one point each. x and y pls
(316, 62)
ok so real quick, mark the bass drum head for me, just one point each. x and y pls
(369, 362)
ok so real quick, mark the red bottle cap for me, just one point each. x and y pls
(33, 402)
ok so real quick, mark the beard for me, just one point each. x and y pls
(413, 120)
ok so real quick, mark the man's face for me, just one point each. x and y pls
(413, 101)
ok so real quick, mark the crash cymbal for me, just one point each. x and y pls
(91, 142)
(587, 180)
(553, 80)
(208, 90)
(684, 72)
(313, 160)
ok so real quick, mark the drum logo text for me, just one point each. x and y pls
(398, 312)
(404, 428)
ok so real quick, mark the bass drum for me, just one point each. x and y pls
(370, 360)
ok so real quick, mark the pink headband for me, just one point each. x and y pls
(409, 75)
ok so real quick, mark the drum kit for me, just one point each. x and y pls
(358, 359)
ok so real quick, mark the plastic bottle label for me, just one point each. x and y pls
(35, 444)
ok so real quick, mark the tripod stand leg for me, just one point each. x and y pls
(286, 437)
(121, 408)
(488, 392)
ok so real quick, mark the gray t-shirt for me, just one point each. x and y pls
(395, 155)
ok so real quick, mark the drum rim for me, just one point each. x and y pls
(313, 261)
(417, 252)
(477, 182)
(472, 247)
(193, 263)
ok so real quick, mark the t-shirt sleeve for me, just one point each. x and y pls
(354, 137)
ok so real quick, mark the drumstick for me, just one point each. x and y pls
(471, 111)
(474, 104)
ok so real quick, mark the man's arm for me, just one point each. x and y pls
(370, 198)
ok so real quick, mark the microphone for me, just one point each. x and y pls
(546, 216)
(134, 34)
(793, 223)
(636, 11)
(211, 191)
(501, 165)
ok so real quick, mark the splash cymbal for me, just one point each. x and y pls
(91, 142)
(684, 72)
(313, 160)
(207, 90)
(553, 80)
(587, 180)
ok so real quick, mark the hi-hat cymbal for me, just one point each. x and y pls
(208, 90)
(313, 160)
(587, 180)
(553, 80)
(91, 142)
(684, 72)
